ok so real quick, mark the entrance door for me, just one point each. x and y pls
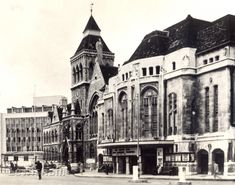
(218, 157)
(202, 162)
(122, 165)
(133, 161)
(149, 159)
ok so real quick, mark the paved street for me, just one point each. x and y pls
(6, 179)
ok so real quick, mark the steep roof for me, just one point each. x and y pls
(92, 25)
(220, 33)
(89, 42)
(181, 34)
(184, 33)
(108, 72)
(153, 44)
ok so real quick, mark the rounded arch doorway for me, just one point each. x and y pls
(218, 157)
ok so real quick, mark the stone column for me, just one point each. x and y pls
(140, 165)
(127, 165)
(117, 165)
(209, 162)
(114, 164)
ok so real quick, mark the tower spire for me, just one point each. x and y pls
(91, 7)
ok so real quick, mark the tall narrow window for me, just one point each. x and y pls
(91, 68)
(104, 131)
(172, 114)
(173, 65)
(150, 70)
(157, 70)
(74, 76)
(215, 123)
(123, 133)
(207, 110)
(149, 113)
(77, 74)
(144, 71)
(81, 72)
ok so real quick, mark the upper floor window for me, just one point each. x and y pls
(150, 70)
(144, 71)
(173, 65)
(211, 60)
(207, 110)
(157, 70)
(123, 77)
(172, 113)
(126, 76)
(217, 58)
(215, 114)
(205, 61)
(149, 107)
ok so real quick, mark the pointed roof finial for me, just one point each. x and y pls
(91, 7)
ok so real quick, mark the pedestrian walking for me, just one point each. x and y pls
(12, 167)
(106, 169)
(39, 169)
(216, 169)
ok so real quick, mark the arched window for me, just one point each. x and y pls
(56, 136)
(123, 104)
(93, 117)
(172, 113)
(81, 72)
(91, 68)
(110, 124)
(77, 76)
(52, 136)
(149, 112)
(74, 76)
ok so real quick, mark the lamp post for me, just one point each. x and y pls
(138, 136)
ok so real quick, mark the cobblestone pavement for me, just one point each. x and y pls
(9, 179)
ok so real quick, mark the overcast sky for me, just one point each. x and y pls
(38, 37)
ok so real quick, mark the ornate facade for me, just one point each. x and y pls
(91, 67)
(172, 103)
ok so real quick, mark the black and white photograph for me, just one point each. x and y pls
(96, 92)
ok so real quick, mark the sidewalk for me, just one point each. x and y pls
(198, 177)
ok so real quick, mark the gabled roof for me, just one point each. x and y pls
(92, 25)
(89, 43)
(108, 72)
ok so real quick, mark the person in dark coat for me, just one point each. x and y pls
(12, 167)
(39, 169)
(106, 169)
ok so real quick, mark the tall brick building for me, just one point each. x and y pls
(175, 95)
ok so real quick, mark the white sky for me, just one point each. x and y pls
(38, 37)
